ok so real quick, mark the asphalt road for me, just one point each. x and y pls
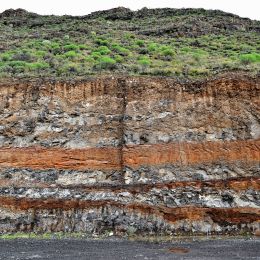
(113, 249)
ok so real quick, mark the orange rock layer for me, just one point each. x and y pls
(192, 153)
(78, 159)
(131, 156)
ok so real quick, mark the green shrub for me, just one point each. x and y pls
(6, 57)
(93, 34)
(129, 36)
(16, 66)
(46, 42)
(55, 45)
(89, 59)
(70, 54)
(167, 52)
(198, 72)
(119, 58)
(95, 55)
(83, 47)
(66, 37)
(103, 50)
(5, 67)
(186, 49)
(140, 43)
(37, 66)
(68, 69)
(152, 47)
(40, 53)
(72, 68)
(106, 62)
(200, 52)
(143, 51)
(71, 47)
(120, 50)
(161, 72)
(250, 58)
(144, 61)
(103, 42)
(17, 63)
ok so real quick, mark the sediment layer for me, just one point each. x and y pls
(133, 154)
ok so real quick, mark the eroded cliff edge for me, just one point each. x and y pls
(131, 154)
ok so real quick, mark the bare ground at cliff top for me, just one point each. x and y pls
(123, 249)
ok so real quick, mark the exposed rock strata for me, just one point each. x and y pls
(145, 155)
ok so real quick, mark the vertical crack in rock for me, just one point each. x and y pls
(123, 95)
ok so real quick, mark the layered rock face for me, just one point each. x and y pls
(131, 155)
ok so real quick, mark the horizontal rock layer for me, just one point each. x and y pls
(132, 155)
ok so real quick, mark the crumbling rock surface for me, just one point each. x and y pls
(131, 155)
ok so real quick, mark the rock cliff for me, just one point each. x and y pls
(131, 155)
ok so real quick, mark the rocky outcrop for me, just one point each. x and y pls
(131, 155)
